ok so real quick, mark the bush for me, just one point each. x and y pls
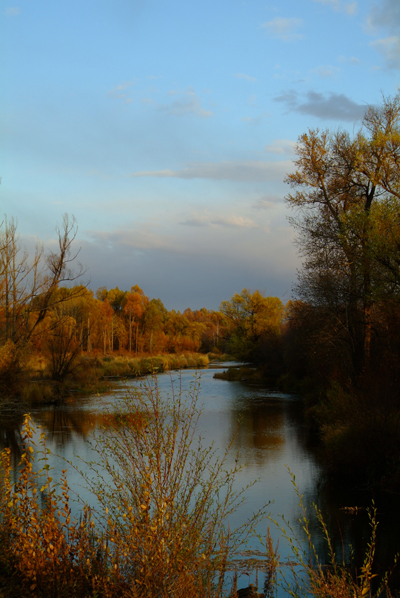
(168, 498)
(162, 524)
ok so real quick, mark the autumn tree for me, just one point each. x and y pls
(251, 317)
(344, 190)
(136, 302)
(69, 327)
(154, 317)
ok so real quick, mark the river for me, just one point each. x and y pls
(272, 441)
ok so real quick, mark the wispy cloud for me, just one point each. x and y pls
(326, 72)
(351, 9)
(231, 221)
(12, 11)
(118, 92)
(231, 171)
(187, 103)
(285, 29)
(255, 120)
(135, 237)
(266, 202)
(348, 60)
(348, 7)
(331, 106)
(281, 146)
(247, 77)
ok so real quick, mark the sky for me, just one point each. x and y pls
(167, 129)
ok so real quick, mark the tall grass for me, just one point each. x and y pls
(126, 366)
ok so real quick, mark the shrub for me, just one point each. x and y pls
(166, 498)
(161, 529)
(45, 552)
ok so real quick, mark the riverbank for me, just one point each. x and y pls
(95, 374)
(355, 431)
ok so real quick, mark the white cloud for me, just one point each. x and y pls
(232, 171)
(247, 77)
(285, 29)
(12, 11)
(281, 146)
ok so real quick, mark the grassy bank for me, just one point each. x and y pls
(97, 373)
(246, 373)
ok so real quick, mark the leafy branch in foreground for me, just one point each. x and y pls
(166, 498)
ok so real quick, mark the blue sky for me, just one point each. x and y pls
(167, 127)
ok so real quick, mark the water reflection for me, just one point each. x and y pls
(260, 429)
(60, 422)
(271, 437)
(10, 436)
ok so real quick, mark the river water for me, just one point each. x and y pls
(272, 441)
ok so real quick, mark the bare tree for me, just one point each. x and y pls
(28, 288)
